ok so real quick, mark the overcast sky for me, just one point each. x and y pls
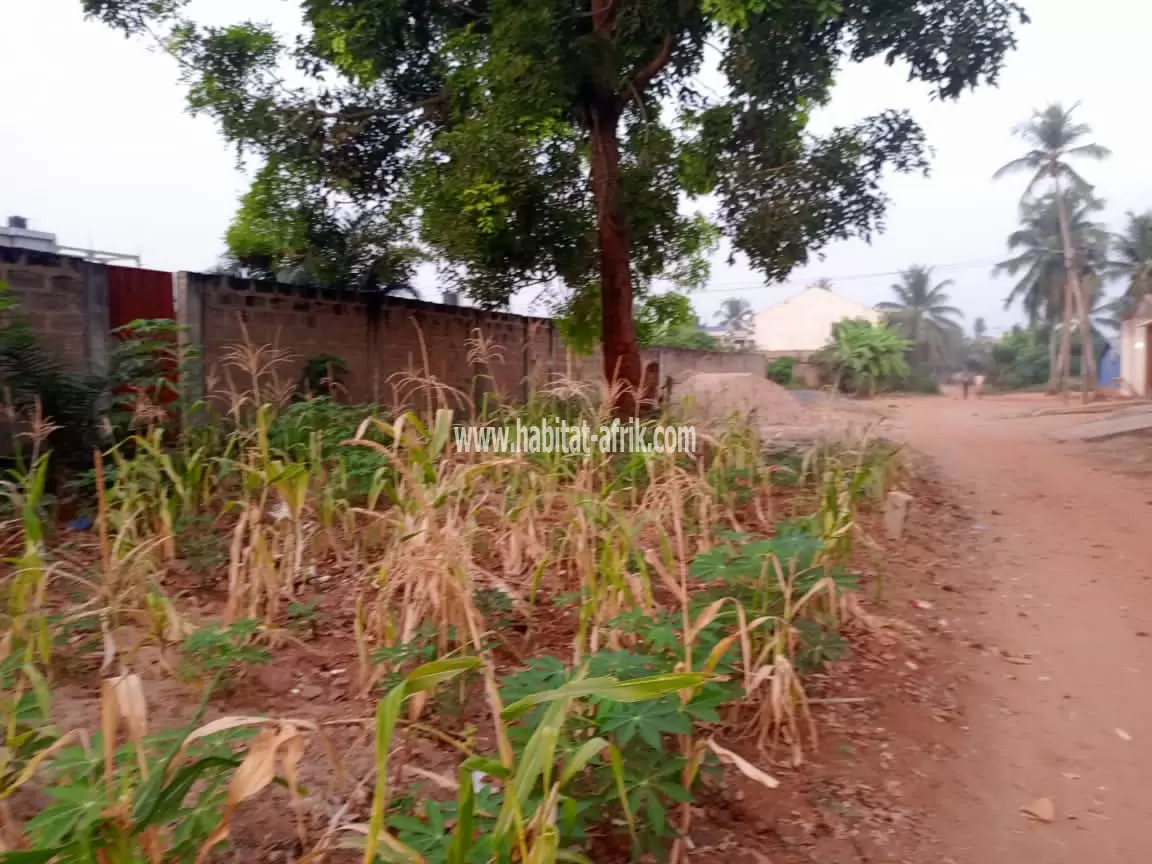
(95, 145)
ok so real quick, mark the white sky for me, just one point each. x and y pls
(95, 145)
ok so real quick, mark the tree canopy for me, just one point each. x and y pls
(1130, 259)
(923, 311)
(736, 316)
(1039, 259)
(1054, 138)
(542, 142)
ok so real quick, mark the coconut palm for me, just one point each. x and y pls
(1131, 259)
(922, 311)
(1105, 314)
(1040, 263)
(735, 315)
(1053, 137)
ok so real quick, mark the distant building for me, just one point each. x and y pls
(802, 325)
(739, 339)
(1136, 349)
(17, 235)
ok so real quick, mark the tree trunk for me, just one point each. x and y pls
(622, 367)
(1066, 338)
(1071, 265)
(1053, 363)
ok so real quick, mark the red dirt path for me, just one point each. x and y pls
(1059, 578)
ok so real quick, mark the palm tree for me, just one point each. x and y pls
(1053, 137)
(921, 310)
(1104, 314)
(735, 315)
(1131, 259)
(1040, 263)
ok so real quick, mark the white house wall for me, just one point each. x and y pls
(803, 323)
(1134, 354)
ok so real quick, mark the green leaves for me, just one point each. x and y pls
(784, 195)
(868, 352)
(609, 689)
(421, 679)
(647, 721)
(85, 812)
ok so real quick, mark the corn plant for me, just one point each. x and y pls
(269, 544)
(128, 797)
(426, 572)
(846, 476)
(531, 816)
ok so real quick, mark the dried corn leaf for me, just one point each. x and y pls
(743, 766)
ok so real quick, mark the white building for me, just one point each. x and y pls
(1136, 350)
(802, 324)
(18, 235)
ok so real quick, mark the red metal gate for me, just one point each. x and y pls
(135, 294)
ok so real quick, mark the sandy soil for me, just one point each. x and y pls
(1053, 652)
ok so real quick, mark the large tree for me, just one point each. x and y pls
(1130, 259)
(551, 141)
(1053, 138)
(922, 310)
(1040, 264)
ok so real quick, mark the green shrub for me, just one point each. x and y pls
(861, 355)
(323, 375)
(781, 369)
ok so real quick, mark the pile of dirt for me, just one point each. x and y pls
(716, 396)
(713, 398)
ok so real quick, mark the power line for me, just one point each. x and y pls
(852, 277)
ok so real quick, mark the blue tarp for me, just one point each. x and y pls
(1109, 366)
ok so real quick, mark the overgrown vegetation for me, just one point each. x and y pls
(582, 637)
(780, 370)
(863, 357)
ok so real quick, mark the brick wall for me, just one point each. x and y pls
(382, 342)
(64, 299)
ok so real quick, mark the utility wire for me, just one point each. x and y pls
(852, 277)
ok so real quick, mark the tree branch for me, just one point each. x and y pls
(603, 11)
(641, 78)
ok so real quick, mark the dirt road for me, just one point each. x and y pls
(1064, 547)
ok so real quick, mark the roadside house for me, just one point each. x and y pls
(802, 324)
(1136, 349)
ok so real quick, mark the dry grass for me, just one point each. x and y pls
(435, 528)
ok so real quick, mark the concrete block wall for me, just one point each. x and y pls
(382, 342)
(470, 350)
(64, 300)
